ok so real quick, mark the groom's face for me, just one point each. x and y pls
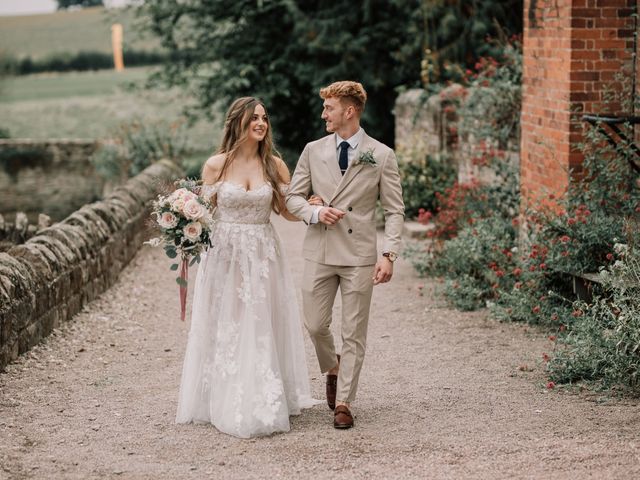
(333, 113)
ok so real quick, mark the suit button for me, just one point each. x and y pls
(350, 231)
(349, 208)
(325, 228)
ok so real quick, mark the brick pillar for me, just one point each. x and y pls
(573, 50)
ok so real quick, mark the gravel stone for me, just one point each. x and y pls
(443, 394)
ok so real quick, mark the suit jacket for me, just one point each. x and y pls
(352, 241)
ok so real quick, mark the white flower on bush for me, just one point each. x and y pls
(192, 231)
(167, 220)
(193, 209)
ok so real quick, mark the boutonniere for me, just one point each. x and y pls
(367, 158)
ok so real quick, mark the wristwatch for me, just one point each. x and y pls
(391, 256)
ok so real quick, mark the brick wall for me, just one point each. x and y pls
(49, 278)
(573, 50)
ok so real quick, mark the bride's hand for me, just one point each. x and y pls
(315, 200)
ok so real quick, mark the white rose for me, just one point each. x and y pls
(193, 209)
(192, 231)
(167, 220)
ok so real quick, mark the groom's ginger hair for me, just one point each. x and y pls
(347, 91)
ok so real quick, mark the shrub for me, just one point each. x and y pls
(603, 345)
(80, 61)
(422, 179)
(137, 144)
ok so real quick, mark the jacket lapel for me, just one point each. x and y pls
(330, 159)
(354, 167)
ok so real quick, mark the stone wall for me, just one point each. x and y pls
(426, 126)
(54, 177)
(49, 278)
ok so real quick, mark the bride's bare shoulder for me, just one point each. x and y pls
(212, 168)
(215, 162)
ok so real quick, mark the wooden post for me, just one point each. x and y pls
(116, 42)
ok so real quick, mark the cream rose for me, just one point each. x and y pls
(178, 204)
(167, 220)
(192, 231)
(193, 209)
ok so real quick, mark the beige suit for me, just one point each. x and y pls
(344, 254)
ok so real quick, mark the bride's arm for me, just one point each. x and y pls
(283, 170)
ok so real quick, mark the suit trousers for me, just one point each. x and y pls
(319, 287)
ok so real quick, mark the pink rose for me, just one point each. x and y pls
(193, 209)
(167, 220)
(192, 231)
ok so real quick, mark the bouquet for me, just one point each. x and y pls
(184, 218)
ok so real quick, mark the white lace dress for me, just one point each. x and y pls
(244, 369)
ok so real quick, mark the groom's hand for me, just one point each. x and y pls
(330, 215)
(383, 271)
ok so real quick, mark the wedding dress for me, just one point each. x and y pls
(244, 369)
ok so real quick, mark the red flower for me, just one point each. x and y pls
(517, 271)
(552, 338)
(577, 313)
(565, 238)
(551, 385)
(499, 273)
(545, 357)
(571, 221)
(609, 256)
(536, 309)
(564, 254)
(517, 285)
(554, 317)
(543, 266)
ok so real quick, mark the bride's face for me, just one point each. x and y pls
(259, 124)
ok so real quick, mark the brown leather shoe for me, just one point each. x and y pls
(342, 417)
(332, 387)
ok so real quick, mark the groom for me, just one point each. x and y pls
(350, 171)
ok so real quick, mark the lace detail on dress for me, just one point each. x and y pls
(207, 191)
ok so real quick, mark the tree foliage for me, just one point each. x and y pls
(284, 51)
(62, 4)
(461, 31)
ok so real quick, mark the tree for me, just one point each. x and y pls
(458, 32)
(62, 4)
(283, 51)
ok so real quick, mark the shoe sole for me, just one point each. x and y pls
(342, 427)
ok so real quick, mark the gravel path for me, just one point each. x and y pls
(443, 394)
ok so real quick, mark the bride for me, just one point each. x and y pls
(244, 369)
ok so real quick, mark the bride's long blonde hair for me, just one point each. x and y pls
(236, 132)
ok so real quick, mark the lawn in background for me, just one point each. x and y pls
(92, 105)
(89, 29)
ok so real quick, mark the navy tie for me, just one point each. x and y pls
(343, 160)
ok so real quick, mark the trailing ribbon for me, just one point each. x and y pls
(184, 276)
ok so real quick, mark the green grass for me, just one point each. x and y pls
(60, 86)
(92, 105)
(88, 29)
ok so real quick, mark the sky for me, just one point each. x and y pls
(28, 7)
